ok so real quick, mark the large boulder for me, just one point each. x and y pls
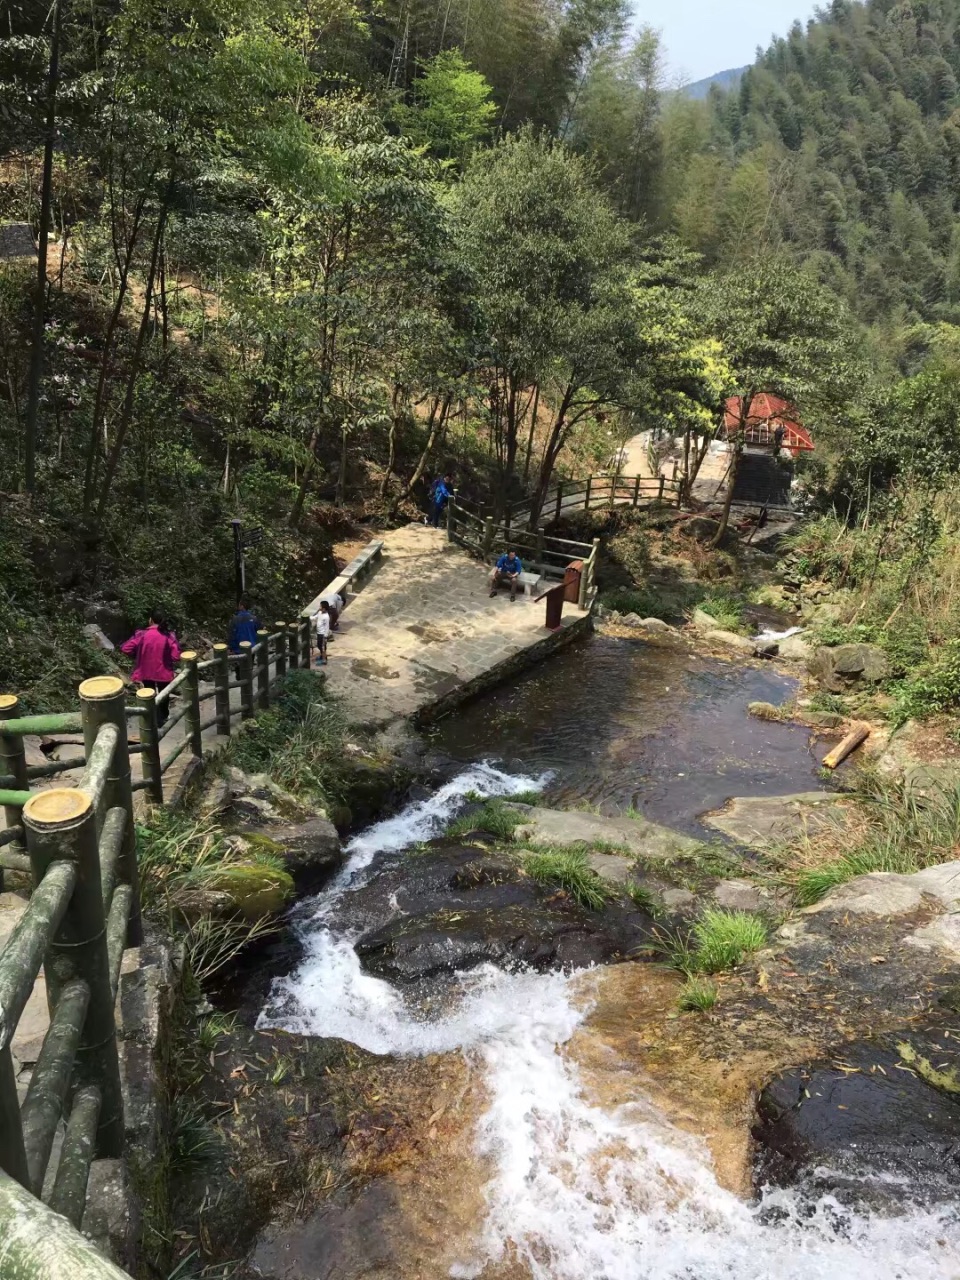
(253, 890)
(309, 849)
(796, 648)
(866, 1125)
(457, 907)
(840, 667)
(701, 528)
(370, 786)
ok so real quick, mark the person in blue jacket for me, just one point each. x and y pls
(507, 569)
(441, 494)
(244, 625)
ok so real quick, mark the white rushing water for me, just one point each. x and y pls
(578, 1191)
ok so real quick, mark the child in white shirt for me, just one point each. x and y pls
(322, 622)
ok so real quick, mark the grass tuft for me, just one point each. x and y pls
(569, 869)
(644, 900)
(725, 938)
(697, 996)
(494, 817)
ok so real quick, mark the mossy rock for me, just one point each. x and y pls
(370, 785)
(254, 889)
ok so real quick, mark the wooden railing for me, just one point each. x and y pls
(549, 557)
(78, 844)
(597, 492)
(80, 847)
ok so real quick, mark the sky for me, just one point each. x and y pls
(705, 36)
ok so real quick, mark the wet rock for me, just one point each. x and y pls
(762, 822)
(731, 640)
(766, 648)
(823, 719)
(311, 847)
(862, 1127)
(635, 835)
(457, 907)
(796, 648)
(657, 625)
(371, 785)
(763, 711)
(250, 890)
(840, 666)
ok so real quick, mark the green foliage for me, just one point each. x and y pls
(494, 817)
(725, 938)
(932, 690)
(697, 996)
(726, 609)
(452, 107)
(569, 869)
(643, 899)
(299, 740)
(904, 834)
(643, 601)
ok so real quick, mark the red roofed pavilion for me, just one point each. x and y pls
(768, 412)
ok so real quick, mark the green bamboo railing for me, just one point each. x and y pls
(79, 846)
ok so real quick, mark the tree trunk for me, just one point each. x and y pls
(746, 404)
(437, 424)
(40, 303)
(550, 455)
(392, 440)
(296, 511)
(533, 431)
(341, 493)
(137, 358)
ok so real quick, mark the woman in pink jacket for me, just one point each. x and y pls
(156, 651)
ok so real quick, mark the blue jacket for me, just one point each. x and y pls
(506, 565)
(243, 626)
(441, 494)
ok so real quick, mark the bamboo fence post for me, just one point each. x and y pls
(636, 492)
(191, 691)
(150, 746)
(103, 700)
(281, 649)
(221, 681)
(540, 563)
(293, 651)
(586, 504)
(263, 670)
(13, 760)
(304, 633)
(559, 510)
(60, 826)
(13, 1155)
(450, 520)
(41, 1245)
(660, 491)
(245, 676)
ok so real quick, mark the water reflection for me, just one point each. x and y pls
(623, 724)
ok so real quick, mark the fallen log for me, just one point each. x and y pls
(847, 746)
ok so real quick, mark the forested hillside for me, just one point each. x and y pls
(300, 258)
(842, 144)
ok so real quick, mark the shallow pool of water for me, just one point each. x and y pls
(623, 724)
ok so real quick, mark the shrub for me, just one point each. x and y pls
(697, 996)
(571, 870)
(726, 609)
(300, 740)
(643, 899)
(641, 601)
(933, 690)
(724, 938)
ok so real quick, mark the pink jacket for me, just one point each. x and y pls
(156, 654)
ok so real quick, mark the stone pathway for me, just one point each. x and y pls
(423, 633)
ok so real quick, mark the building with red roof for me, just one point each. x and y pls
(767, 412)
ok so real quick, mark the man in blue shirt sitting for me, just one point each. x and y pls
(508, 569)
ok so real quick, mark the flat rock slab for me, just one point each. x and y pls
(424, 630)
(763, 822)
(642, 839)
(885, 894)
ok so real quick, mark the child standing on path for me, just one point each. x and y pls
(156, 651)
(322, 621)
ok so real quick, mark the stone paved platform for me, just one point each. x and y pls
(423, 634)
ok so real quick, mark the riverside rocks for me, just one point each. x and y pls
(862, 1127)
(839, 667)
(457, 906)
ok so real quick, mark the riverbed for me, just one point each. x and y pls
(623, 725)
